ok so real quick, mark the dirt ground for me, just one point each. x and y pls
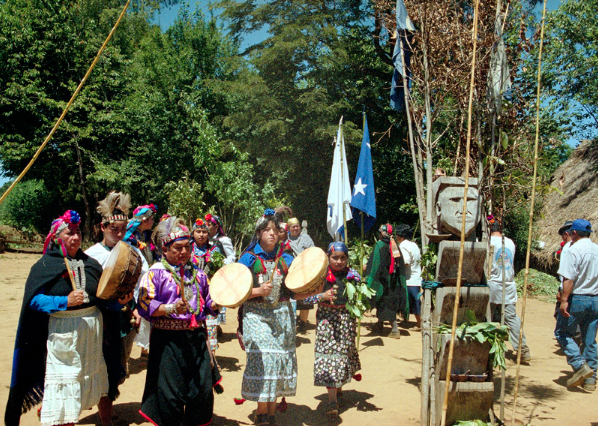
(388, 394)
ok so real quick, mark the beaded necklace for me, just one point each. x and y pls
(182, 281)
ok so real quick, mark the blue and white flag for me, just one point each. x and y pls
(404, 29)
(364, 197)
(339, 193)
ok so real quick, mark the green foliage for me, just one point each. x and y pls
(482, 332)
(569, 68)
(23, 206)
(185, 199)
(355, 254)
(428, 262)
(358, 298)
(539, 284)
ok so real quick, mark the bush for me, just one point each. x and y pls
(23, 207)
(539, 284)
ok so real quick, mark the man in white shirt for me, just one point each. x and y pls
(503, 270)
(413, 270)
(579, 305)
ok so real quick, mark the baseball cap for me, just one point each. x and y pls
(566, 226)
(581, 225)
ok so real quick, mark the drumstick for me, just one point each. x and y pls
(68, 270)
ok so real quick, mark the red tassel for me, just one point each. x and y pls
(239, 401)
(282, 407)
(330, 277)
(193, 323)
(357, 377)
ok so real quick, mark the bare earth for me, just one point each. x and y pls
(389, 393)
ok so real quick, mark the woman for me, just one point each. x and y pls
(337, 359)
(174, 297)
(300, 242)
(268, 322)
(386, 275)
(208, 257)
(60, 332)
(142, 220)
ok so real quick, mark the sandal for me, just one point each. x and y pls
(332, 409)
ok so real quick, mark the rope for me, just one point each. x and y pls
(531, 215)
(462, 247)
(66, 109)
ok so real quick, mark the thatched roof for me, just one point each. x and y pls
(577, 178)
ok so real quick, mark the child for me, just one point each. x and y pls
(336, 356)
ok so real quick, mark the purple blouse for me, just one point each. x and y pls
(157, 287)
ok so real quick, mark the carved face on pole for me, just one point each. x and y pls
(449, 210)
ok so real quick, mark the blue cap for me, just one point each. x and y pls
(581, 225)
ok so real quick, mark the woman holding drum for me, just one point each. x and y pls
(268, 322)
(337, 359)
(60, 332)
(174, 297)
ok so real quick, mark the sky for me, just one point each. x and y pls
(167, 16)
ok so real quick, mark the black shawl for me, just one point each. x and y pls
(48, 276)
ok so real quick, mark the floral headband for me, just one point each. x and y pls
(216, 221)
(69, 218)
(490, 219)
(164, 217)
(199, 223)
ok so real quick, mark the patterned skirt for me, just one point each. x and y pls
(269, 339)
(337, 359)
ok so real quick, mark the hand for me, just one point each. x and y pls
(329, 295)
(75, 298)
(180, 307)
(214, 306)
(564, 306)
(137, 318)
(266, 288)
(126, 298)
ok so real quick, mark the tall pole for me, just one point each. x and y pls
(463, 216)
(343, 180)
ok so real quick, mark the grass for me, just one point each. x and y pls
(539, 284)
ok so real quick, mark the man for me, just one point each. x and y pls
(579, 305)
(413, 271)
(565, 244)
(114, 210)
(503, 271)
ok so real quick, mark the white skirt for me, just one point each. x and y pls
(143, 336)
(76, 376)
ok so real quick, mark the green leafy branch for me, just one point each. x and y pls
(482, 332)
(358, 298)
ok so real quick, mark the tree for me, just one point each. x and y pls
(570, 65)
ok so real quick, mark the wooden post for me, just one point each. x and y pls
(427, 385)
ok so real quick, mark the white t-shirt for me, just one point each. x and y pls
(580, 264)
(413, 268)
(496, 277)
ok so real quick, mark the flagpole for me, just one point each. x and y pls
(343, 178)
(361, 251)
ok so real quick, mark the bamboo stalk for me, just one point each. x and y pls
(68, 105)
(464, 215)
(531, 214)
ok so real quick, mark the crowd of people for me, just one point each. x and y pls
(72, 348)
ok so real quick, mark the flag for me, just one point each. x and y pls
(364, 197)
(404, 29)
(499, 80)
(339, 193)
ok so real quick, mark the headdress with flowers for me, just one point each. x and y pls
(140, 213)
(69, 218)
(199, 223)
(216, 221)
